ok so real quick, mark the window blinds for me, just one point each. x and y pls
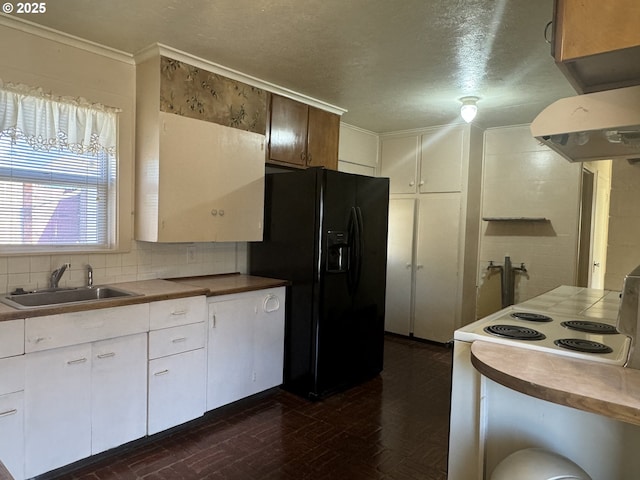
(57, 171)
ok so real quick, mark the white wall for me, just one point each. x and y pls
(623, 250)
(524, 179)
(66, 67)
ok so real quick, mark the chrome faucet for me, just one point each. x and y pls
(89, 276)
(56, 275)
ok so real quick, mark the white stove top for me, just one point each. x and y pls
(561, 305)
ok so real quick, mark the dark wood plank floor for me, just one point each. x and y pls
(394, 427)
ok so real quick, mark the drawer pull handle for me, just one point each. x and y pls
(178, 340)
(163, 372)
(77, 362)
(8, 412)
(180, 312)
(107, 355)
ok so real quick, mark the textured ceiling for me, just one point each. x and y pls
(393, 64)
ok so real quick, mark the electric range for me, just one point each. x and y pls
(571, 335)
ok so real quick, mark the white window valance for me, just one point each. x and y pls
(47, 122)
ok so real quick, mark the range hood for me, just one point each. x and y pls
(595, 126)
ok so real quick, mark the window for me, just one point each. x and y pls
(57, 172)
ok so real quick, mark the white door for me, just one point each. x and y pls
(230, 362)
(176, 389)
(437, 267)
(57, 408)
(600, 230)
(268, 358)
(399, 266)
(118, 391)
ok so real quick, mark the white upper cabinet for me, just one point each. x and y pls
(399, 159)
(431, 162)
(441, 161)
(200, 155)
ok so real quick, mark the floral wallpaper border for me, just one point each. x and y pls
(196, 93)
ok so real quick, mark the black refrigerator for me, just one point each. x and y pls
(326, 232)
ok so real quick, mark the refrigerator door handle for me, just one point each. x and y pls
(356, 244)
(360, 244)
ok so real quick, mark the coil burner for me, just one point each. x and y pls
(580, 345)
(590, 327)
(531, 317)
(515, 332)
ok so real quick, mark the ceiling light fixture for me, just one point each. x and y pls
(469, 108)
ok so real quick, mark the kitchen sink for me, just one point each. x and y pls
(64, 296)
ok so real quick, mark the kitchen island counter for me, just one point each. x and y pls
(599, 388)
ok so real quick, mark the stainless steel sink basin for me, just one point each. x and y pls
(64, 296)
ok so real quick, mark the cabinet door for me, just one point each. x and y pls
(230, 372)
(436, 284)
(11, 338)
(323, 138)
(57, 408)
(211, 185)
(441, 161)
(268, 359)
(12, 432)
(288, 137)
(176, 389)
(118, 391)
(399, 161)
(591, 28)
(399, 266)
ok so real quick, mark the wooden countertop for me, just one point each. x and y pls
(590, 386)
(231, 283)
(154, 290)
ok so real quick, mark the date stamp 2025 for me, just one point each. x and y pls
(24, 7)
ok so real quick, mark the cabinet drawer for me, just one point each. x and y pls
(53, 331)
(179, 311)
(170, 341)
(11, 374)
(11, 338)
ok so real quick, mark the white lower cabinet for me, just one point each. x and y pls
(84, 399)
(118, 391)
(176, 389)
(85, 384)
(246, 345)
(12, 414)
(91, 381)
(57, 408)
(177, 362)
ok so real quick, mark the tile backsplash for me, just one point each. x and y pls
(145, 261)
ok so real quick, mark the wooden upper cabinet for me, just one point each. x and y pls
(302, 135)
(288, 140)
(322, 139)
(596, 44)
